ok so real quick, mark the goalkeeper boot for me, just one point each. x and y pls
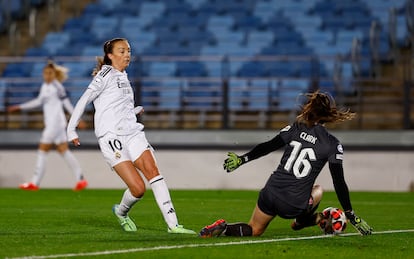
(126, 222)
(179, 229)
(313, 220)
(213, 230)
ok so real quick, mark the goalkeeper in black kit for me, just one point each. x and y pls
(290, 192)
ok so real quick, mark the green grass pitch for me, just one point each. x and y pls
(64, 224)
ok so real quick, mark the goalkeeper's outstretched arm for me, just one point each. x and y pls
(234, 161)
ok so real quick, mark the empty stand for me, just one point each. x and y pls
(270, 50)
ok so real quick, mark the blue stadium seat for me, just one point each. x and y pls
(3, 91)
(162, 69)
(37, 69)
(92, 51)
(190, 69)
(264, 10)
(195, 4)
(214, 68)
(346, 81)
(170, 94)
(17, 69)
(402, 30)
(104, 28)
(75, 88)
(235, 66)
(19, 92)
(258, 94)
(150, 93)
(79, 69)
(95, 9)
(289, 93)
(150, 11)
(278, 69)
(249, 22)
(229, 36)
(238, 97)
(55, 41)
(130, 23)
(216, 22)
(201, 95)
(141, 41)
(252, 69)
(307, 22)
(260, 39)
(344, 39)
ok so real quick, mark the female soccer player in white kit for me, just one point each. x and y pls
(53, 99)
(121, 138)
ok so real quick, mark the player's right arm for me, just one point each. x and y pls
(234, 161)
(34, 103)
(88, 96)
(91, 93)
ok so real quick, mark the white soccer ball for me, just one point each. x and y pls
(334, 221)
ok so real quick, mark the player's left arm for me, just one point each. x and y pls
(342, 193)
(67, 105)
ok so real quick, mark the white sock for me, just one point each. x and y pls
(127, 201)
(40, 167)
(73, 164)
(162, 196)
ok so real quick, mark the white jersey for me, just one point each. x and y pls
(113, 99)
(52, 97)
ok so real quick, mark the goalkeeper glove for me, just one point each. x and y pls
(358, 223)
(233, 162)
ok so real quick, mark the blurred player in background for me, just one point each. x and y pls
(290, 191)
(121, 138)
(53, 99)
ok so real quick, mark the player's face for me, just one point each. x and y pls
(121, 55)
(48, 75)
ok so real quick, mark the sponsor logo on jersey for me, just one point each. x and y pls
(121, 84)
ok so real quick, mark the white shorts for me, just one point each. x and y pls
(54, 136)
(116, 149)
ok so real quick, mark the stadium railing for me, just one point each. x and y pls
(229, 99)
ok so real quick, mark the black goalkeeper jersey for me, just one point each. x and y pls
(307, 150)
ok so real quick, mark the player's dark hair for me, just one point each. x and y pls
(105, 60)
(321, 108)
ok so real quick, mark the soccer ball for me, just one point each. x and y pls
(333, 222)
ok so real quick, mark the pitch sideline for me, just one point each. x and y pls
(242, 242)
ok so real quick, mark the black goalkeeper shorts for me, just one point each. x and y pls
(271, 205)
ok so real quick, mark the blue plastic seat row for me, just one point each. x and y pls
(235, 28)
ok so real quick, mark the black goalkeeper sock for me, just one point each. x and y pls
(238, 230)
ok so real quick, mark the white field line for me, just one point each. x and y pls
(241, 242)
